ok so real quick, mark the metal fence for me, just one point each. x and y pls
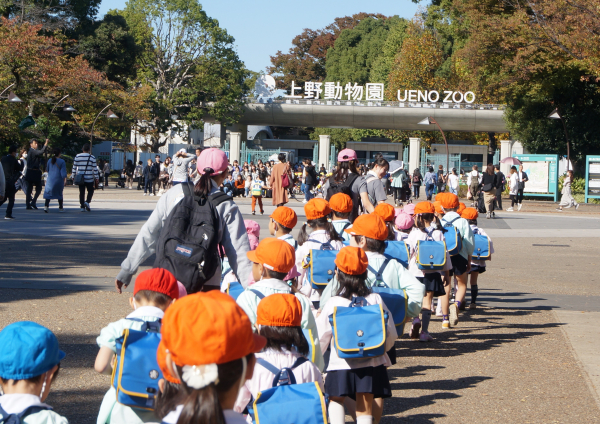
(253, 155)
(428, 160)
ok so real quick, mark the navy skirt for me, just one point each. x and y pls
(433, 283)
(477, 268)
(459, 265)
(360, 380)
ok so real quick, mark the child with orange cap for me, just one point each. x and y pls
(282, 222)
(271, 262)
(362, 379)
(341, 205)
(477, 266)
(388, 214)
(322, 236)
(427, 227)
(278, 319)
(212, 361)
(155, 290)
(461, 208)
(461, 263)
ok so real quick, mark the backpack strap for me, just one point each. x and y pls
(379, 274)
(450, 222)
(258, 294)
(358, 301)
(323, 245)
(7, 418)
(148, 326)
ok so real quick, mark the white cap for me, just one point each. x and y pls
(182, 151)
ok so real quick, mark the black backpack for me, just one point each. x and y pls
(188, 245)
(6, 418)
(345, 187)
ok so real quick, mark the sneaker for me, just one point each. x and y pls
(130, 188)
(34, 207)
(415, 328)
(473, 306)
(151, 194)
(559, 209)
(145, 194)
(304, 201)
(46, 209)
(9, 217)
(445, 324)
(425, 337)
(82, 209)
(87, 206)
(510, 210)
(253, 213)
(262, 212)
(61, 210)
(520, 206)
(577, 206)
(453, 314)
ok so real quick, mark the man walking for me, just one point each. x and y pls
(85, 163)
(523, 178)
(156, 172)
(33, 176)
(500, 186)
(12, 172)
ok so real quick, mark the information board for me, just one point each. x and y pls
(542, 171)
(592, 177)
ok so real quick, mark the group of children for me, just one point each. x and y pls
(222, 357)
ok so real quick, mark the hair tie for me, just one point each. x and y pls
(209, 170)
(199, 376)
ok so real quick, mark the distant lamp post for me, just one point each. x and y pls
(109, 114)
(430, 121)
(556, 115)
(68, 108)
(56, 104)
(12, 97)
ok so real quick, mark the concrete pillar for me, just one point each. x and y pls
(235, 146)
(505, 152)
(414, 154)
(324, 151)
(242, 129)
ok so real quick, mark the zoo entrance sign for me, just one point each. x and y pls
(373, 92)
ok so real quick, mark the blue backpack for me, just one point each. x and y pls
(398, 250)
(6, 418)
(288, 402)
(482, 251)
(136, 371)
(322, 265)
(431, 254)
(359, 331)
(453, 238)
(234, 289)
(395, 299)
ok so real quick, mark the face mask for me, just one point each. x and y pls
(43, 385)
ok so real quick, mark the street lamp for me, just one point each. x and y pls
(556, 115)
(56, 104)
(109, 114)
(430, 121)
(12, 97)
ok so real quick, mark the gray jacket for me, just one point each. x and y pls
(180, 167)
(231, 235)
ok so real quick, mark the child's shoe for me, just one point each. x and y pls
(453, 314)
(473, 306)
(425, 337)
(445, 324)
(415, 328)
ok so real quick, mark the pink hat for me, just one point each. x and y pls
(292, 274)
(398, 211)
(347, 155)
(213, 158)
(409, 209)
(404, 221)
(253, 241)
(182, 290)
(252, 227)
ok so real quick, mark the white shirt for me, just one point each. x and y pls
(288, 238)
(453, 181)
(416, 235)
(471, 174)
(18, 402)
(514, 183)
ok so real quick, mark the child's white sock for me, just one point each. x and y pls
(337, 415)
(364, 419)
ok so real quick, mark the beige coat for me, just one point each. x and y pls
(279, 193)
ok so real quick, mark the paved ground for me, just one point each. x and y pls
(528, 355)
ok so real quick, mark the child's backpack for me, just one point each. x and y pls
(136, 372)
(482, 251)
(6, 418)
(398, 250)
(322, 267)
(359, 331)
(453, 237)
(234, 289)
(257, 188)
(431, 254)
(308, 335)
(288, 402)
(187, 244)
(395, 299)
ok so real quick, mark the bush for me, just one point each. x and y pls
(577, 185)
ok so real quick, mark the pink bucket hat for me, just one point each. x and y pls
(404, 221)
(252, 227)
(410, 209)
(347, 155)
(182, 290)
(253, 241)
(292, 274)
(216, 159)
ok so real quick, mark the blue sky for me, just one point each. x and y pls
(262, 27)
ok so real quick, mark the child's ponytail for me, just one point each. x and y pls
(391, 231)
(204, 184)
(302, 235)
(333, 234)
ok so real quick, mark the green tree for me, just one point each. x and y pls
(382, 65)
(52, 15)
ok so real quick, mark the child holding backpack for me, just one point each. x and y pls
(155, 290)
(363, 378)
(278, 319)
(29, 365)
(427, 227)
(271, 262)
(477, 265)
(282, 222)
(323, 236)
(341, 205)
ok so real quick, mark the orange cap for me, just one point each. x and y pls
(274, 254)
(438, 207)
(341, 203)
(279, 310)
(371, 226)
(449, 200)
(461, 207)
(316, 208)
(157, 280)
(424, 207)
(385, 211)
(470, 213)
(161, 358)
(285, 216)
(352, 260)
(208, 328)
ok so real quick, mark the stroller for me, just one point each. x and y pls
(121, 182)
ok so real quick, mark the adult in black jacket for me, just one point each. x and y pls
(34, 173)
(310, 179)
(488, 186)
(12, 171)
(149, 177)
(500, 186)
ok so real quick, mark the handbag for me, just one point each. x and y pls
(80, 178)
(285, 180)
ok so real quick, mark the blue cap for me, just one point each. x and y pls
(28, 350)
